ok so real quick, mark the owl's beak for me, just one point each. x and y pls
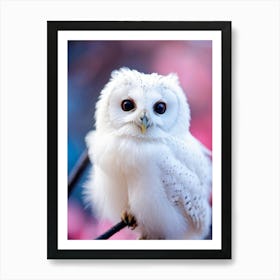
(144, 122)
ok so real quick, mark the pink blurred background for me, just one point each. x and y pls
(89, 66)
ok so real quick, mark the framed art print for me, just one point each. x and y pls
(139, 140)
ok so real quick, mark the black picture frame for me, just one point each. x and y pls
(53, 27)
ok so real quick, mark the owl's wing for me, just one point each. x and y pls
(205, 151)
(186, 177)
(194, 156)
(184, 189)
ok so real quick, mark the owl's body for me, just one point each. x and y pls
(145, 160)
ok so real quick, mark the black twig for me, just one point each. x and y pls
(77, 171)
(117, 227)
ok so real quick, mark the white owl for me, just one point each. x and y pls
(147, 167)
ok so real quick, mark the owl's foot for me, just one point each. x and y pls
(129, 219)
(143, 237)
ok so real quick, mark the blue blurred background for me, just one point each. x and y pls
(90, 64)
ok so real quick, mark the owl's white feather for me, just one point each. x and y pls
(161, 174)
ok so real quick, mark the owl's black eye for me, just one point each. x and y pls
(128, 105)
(160, 107)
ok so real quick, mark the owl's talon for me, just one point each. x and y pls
(129, 219)
(143, 237)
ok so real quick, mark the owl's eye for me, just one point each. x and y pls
(128, 105)
(160, 107)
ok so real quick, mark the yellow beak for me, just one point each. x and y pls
(144, 124)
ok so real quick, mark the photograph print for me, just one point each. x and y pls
(139, 140)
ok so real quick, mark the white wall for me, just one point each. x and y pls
(255, 139)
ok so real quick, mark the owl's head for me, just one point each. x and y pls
(142, 105)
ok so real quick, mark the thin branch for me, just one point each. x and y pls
(76, 172)
(112, 230)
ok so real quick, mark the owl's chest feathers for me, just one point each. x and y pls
(131, 166)
(129, 156)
